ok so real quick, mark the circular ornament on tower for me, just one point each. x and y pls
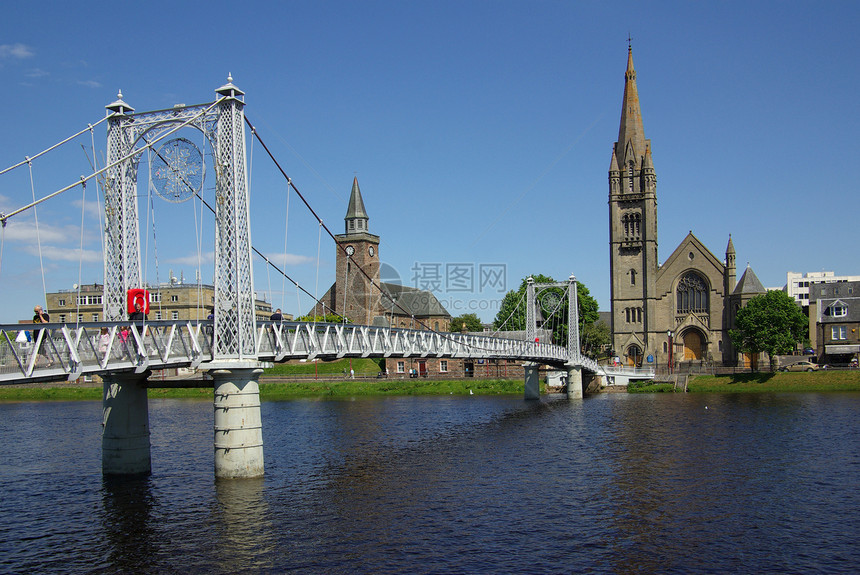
(350, 251)
(371, 251)
(177, 170)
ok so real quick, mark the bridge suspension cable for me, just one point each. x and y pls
(133, 153)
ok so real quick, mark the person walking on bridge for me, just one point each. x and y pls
(40, 316)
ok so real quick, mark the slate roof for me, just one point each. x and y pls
(417, 302)
(749, 283)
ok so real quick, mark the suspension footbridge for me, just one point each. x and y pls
(232, 344)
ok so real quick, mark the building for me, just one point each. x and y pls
(834, 321)
(680, 310)
(798, 285)
(168, 301)
(360, 295)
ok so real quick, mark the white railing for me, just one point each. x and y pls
(69, 351)
(627, 371)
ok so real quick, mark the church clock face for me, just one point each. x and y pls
(350, 250)
(371, 251)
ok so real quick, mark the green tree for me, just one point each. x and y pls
(770, 323)
(327, 318)
(512, 311)
(595, 338)
(472, 321)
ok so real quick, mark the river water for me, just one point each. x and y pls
(615, 483)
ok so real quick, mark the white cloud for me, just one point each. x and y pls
(36, 73)
(55, 253)
(284, 260)
(90, 83)
(15, 51)
(25, 232)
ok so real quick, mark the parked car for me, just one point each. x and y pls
(808, 351)
(800, 366)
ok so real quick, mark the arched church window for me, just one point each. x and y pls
(633, 277)
(692, 294)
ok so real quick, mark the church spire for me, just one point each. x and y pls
(631, 134)
(356, 216)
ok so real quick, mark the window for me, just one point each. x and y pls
(80, 318)
(61, 302)
(155, 297)
(89, 300)
(838, 332)
(158, 315)
(174, 298)
(838, 309)
(95, 317)
(631, 223)
(443, 366)
(665, 346)
(692, 294)
(401, 367)
(174, 315)
(633, 277)
(62, 318)
(436, 325)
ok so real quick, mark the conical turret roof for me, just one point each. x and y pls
(356, 203)
(749, 283)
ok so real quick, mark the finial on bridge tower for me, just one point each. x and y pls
(119, 106)
(629, 42)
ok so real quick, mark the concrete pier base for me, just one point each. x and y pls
(238, 424)
(574, 383)
(125, 432)
(532, 381)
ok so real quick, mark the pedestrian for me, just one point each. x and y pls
(277, 316)
(40, 316)
(351, 373)
(104, 341)
(137, 314)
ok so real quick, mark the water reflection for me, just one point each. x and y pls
(127, 523)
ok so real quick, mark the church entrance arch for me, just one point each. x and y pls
(634, 355)
(694, 345)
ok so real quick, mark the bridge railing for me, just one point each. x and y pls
(278, 341)
(71, 350)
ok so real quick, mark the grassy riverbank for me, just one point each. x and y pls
(278, 390)
(764, 382)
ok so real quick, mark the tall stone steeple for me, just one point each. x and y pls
(633, 230)
(356, 218)
(631, 145)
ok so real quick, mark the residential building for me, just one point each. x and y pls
(167, 301)
(834, 321)
(798, 285)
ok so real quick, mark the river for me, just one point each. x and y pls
(614, 483)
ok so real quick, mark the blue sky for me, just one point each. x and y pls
(480, 132)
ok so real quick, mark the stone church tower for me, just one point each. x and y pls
(632, 225)
(353, 294)
(680, 312)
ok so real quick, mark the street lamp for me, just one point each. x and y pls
(669, 334)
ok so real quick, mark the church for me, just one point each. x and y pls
(678, 312)
(359, 293)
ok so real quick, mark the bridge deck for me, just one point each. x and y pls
(68, 351)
